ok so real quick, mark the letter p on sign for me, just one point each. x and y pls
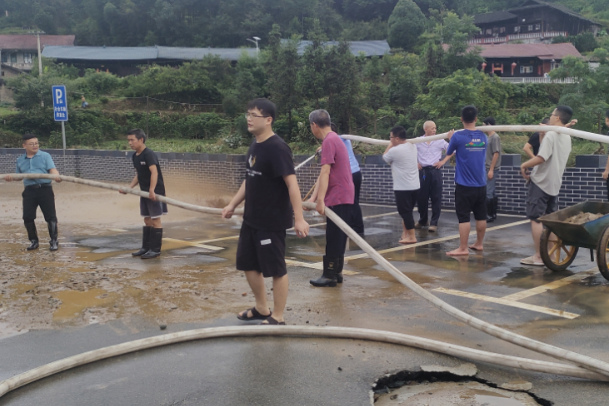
(58, 96)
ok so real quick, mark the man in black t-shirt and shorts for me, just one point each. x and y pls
(149, 176)
(270, 186)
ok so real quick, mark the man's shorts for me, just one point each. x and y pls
(470, 199)
(262, 251)
(152, 209)
(539, 203)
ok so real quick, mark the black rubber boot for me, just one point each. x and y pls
(156, 240)
(328, 279)
(32, 235)
(145, 242)
(495, 206)
(54, 244)
(489, 211)
(339, 270)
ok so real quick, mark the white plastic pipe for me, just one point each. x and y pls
(173, 202)
(304, 163)
(556, 352)
(512, 128)
(65, 364)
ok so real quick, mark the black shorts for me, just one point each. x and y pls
(262, 251)
(470, 199)
(152, 209)
(406, 201)
(539, 203)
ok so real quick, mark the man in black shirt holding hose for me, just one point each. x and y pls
(269, 187)
(149, 176)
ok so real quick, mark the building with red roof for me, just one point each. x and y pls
(524, 60)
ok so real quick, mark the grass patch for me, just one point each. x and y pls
(7, 111)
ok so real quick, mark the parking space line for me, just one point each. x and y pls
(194, 244)
(235, 237)
(552, 285)
(318, 265)
(512, 303)
(423, 243)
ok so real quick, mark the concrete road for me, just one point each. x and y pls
(563, 309)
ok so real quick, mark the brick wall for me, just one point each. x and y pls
(226, 172)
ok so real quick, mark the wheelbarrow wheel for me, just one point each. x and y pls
(555, 254)
(602, 252)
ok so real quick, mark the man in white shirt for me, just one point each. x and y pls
(402, 156)
(430, 162)
(545, 179)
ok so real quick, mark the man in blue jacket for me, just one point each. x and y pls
(38, 192)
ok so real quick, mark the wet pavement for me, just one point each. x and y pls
(92, 293)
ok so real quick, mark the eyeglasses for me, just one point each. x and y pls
(248, 115)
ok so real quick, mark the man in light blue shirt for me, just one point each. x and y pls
(357, 219)
(38, 192)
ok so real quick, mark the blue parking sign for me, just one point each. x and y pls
(60, 103)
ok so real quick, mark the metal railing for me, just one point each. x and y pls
(536, 80)
(516, 37)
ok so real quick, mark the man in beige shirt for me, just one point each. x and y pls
(545, 179)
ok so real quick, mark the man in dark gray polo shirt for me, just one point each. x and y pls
(493, 163)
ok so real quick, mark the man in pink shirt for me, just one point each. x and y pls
(336, 191)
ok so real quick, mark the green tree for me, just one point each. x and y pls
(404, 79)
(282, 67)
(311, 77)
(406, 24)
(447, 96)
(589, 95)
(446, 47)
(342, 82)
(366, 10)
(374, 91)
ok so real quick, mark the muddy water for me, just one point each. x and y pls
(93, 277)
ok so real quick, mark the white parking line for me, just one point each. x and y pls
(552, 285)
(512, 303)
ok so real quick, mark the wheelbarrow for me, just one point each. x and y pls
(560, 240)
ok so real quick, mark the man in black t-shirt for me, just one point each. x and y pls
(149, 176)
(270, 186)
(531, 148)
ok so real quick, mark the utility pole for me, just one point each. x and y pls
(255, 41)
(39, 55)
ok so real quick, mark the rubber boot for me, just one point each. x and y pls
(328, 279)
(145, 242)
(32, 235)
(489, 210)
(495, 206)
(339, 271)
(156, 240)
(54, 244)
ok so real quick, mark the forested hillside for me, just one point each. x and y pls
(227, 23)
(430, 74)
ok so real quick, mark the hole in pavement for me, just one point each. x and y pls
(414, 388)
